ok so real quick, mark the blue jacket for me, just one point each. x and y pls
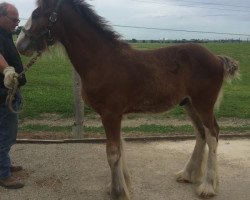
(11, 55)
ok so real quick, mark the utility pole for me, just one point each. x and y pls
(78, 106)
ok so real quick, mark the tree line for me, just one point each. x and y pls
(19, 28)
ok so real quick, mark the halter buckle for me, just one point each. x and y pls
(53, 17)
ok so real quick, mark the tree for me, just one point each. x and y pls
(18, 30)
(134, 40)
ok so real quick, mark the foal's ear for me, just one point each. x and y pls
(45, 4)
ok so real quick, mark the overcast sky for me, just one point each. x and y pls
(221, 16)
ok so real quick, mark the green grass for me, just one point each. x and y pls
(147, 129)
(236, 96)
(49, 87)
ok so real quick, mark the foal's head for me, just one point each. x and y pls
(44, 26)
(38, 32)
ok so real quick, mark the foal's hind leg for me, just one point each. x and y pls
(210, 183)
(194, 168)
(124, 165)
(119, 190)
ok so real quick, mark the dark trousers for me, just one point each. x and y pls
(8, 133)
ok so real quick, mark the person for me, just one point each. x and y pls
(10, 67)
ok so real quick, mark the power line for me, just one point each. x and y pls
(214, 4)
(183, 30)
(192, 6)
(177, 30)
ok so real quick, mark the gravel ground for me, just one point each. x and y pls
(81, 172)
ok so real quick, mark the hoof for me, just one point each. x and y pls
(120, 194)
(108, 189)
(120, 197)
(183, 177)
(206, 190)
(188, 176)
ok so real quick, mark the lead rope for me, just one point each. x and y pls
(12, 92)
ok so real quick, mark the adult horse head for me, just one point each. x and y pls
(117, 79)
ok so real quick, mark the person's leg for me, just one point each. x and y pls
(8, 133)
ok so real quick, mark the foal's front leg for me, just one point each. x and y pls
(119, 174)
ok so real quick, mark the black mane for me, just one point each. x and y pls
(96, 21)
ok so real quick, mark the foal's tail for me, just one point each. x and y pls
(231, 71)
(231, 68)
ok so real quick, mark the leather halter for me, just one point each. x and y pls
(47, 31)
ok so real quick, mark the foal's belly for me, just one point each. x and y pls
(152, 106)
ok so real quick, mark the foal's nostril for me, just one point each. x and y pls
(22, 45)
(20, 48)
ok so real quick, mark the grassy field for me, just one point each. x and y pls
(49, 87)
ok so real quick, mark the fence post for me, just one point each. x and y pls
(78, 107)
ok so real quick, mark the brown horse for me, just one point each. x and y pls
(117, 79)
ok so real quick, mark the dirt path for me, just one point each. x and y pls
(81, 172)
(128, 121)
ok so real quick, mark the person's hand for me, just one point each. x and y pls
(10, 77)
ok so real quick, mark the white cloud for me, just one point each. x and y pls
(177, 15)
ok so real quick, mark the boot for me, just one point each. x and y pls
(11, 183)
(16, 168)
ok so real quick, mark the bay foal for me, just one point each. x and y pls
(117, 79)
